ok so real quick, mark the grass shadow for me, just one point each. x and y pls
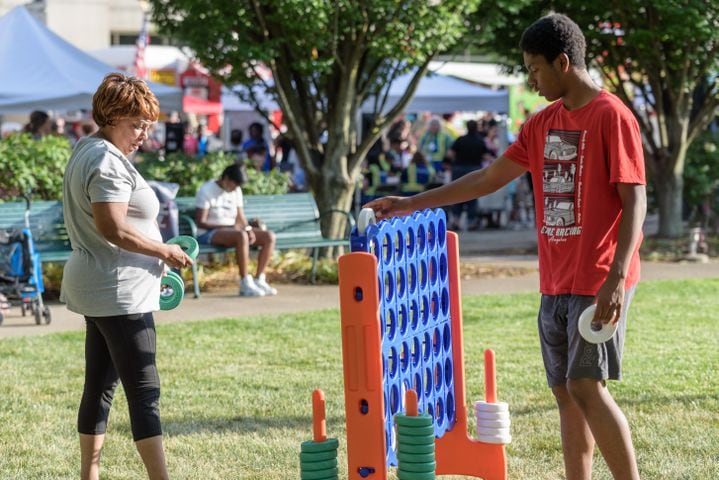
(243, 425)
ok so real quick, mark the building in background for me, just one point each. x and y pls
(113, 22)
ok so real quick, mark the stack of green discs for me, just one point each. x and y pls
(415, 448)
(172, 290)
(318, 460)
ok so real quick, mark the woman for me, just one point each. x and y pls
(40, 125)
(113, 274)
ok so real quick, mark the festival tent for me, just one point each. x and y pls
(439, 94)
(482, 73)
(163, 58)
(231, 101)
(41, 71)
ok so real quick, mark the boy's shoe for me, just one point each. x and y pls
(261, 283)
(249, 289)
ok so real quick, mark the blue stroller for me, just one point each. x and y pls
(21, 274)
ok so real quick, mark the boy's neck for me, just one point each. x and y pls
(581, 91)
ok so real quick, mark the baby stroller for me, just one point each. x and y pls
(21, 274)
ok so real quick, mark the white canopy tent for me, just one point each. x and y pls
(440, 93)
(483, 73)
(41, 71)
(157, 57)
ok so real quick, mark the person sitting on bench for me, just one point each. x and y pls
(221, 221)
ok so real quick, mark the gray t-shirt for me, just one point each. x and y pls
(100, 279)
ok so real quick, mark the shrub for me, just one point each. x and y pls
(701, 181)
(190, 172)
(33, 165)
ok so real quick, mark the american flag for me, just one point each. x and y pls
(143, 39)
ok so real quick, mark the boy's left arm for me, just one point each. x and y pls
(610, 296)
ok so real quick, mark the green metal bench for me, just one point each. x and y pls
(46, 224)
(294, 217)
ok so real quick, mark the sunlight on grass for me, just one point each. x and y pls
(236, 393)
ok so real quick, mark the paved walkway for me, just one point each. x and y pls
(505, 248)
(295, 298)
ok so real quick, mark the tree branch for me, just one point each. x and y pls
(381, 122)
(704, 117)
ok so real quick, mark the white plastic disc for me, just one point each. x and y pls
(500, 439)
(503, 423)
(588, 333)
(494, 432)
(492, 415)
(366, 217)
(481, 406)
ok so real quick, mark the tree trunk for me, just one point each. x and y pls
(669, 189)
(338, 196)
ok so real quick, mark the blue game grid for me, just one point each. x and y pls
(412, 272)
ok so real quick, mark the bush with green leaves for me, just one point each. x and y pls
(32, 165)
(190, 172)
(701, 181)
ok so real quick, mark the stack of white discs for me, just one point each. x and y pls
(492, 422)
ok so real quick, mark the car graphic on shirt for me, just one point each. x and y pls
(559, 213)
(558, 184)
(557, 149)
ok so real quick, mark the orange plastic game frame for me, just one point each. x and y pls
(456, 453)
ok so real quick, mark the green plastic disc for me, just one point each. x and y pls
(319, 474)
(405, 475)
(415, 449)
(415, 431)
(424, 467)
(318, 457)
(172, 291)
(188, 244)
(415, 457)
(418, 421)
(173, 273)
(314, 447)
(416, 440)
(321, 465)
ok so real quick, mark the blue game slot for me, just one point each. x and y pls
(412, 273)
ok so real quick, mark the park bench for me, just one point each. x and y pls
(46, 224)
(294, 217)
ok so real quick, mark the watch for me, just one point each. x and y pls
(248, 228)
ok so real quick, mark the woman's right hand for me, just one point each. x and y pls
(175, 257)
(390, 207)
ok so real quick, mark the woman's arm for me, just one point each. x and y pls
(111, 222)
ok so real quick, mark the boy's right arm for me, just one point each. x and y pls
(473, 185)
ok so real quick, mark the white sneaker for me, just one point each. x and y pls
(261, 283)
(249, 289)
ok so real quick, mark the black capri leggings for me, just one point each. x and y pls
(120, 348)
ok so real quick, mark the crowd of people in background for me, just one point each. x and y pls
(414, 154)
(41, 124)
(431, 151)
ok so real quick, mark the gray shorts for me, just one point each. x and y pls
(565, 353)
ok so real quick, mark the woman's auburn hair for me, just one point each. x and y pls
(121, 96)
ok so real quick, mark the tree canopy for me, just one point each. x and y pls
(326, 59)
(659, 56)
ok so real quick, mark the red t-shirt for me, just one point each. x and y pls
(575, 159)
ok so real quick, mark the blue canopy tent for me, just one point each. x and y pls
(440, 93)
(41, 71)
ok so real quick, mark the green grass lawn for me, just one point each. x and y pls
(236, 393)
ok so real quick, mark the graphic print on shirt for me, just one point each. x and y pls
(560, 177)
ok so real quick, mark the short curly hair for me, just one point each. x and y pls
(555, 34)
(121, 96)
